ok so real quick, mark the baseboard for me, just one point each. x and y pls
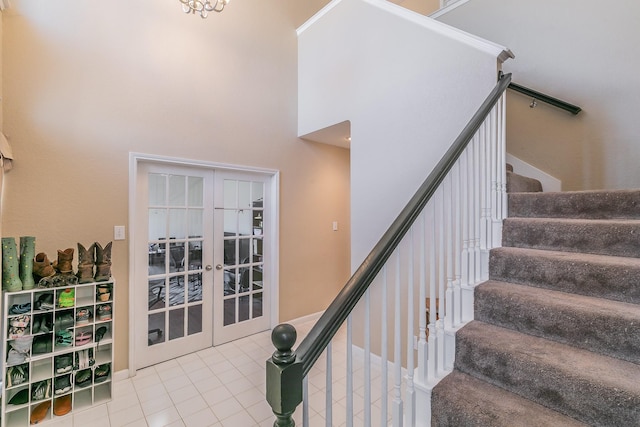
(308, 318)
(121, 375)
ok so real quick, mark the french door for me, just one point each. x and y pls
(188, 220)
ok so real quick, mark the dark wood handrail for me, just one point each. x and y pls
(539, 96)
(286, 369)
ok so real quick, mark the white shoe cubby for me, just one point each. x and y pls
(58, 351)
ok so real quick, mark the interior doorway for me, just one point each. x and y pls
(203, 257)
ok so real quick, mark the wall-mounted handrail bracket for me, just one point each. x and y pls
(539, 96)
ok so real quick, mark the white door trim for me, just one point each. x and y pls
(273, 188)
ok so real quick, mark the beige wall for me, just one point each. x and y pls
(85, 83)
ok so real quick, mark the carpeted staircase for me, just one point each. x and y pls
(556, 336)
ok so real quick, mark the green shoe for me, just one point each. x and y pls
(66, 298)
(10, 269)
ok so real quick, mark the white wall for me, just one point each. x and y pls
(408, 85)
(585, 52)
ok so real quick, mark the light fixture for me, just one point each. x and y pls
(203, 7)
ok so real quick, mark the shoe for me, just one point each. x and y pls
(42, 344)
(20, 321)
(83, 337)
(20, 398)
(62, 384)
(64, 320)
(63, 363)
(104, 312)
(16, 332)
(104, 293)
(101, 373)
(41, 324)
(40, 412)
(15, 357)
(17, 375)
(44, 302)
(41, 390)
(84, 359)
(100, 333)
(42, 266)
(62, 405)
(82, 316)
(64, 338)
(83, 378)
(27, 254)
(63, 264)
(66, 298)
(20, 308)
(10, 269)
(103, 262)
(86, 262)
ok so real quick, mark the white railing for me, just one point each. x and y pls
(406, 323)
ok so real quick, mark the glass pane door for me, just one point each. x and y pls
(179, 225)
(241, 300)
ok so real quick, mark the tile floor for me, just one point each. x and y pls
(221, 386)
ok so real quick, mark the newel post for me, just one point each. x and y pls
(284, 376)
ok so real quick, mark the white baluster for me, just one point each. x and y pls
(433, 335)
(464, 208)
(441, 281)
(397, 349)
(457, 245)
(329, 387)
(476, 208)
(384, 358)
(422, 302)
(410, 393)
(448, 251)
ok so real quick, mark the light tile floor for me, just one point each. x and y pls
(221, 386)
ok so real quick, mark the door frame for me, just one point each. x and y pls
(273, 190)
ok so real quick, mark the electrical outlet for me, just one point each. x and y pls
(118, 232)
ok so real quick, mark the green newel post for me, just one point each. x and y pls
(284, 376)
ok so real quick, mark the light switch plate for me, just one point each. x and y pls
(118, 232)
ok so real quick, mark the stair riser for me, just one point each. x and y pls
(587, 205)
(598, 404)
(590, 328)
(617, 282)
(616, 239)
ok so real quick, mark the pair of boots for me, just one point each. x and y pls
(17, 271)
(57, 273)
(94, 256)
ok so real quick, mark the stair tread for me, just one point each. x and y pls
(618, 237)
(584, 204)
(559, 299)
(576, 363)
(578, 257)
(586, 221)
(586, 322)
(478, 403)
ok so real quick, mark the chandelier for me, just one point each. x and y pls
(203, 7)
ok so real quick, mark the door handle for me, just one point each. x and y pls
(219, 267)
(208, 268)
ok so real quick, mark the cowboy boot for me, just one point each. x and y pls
(42, 266)
(63, 264)
(10, 271)
(27, 253)
(86, 261)
(103, 262)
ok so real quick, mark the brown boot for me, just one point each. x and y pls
(103, 262)
(86, 261)
(42, 266)
(63, 265)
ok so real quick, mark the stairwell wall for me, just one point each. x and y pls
(584, 52)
